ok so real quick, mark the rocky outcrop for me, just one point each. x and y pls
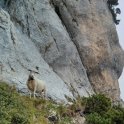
(74, 45)
(91, 28)
(18, 54)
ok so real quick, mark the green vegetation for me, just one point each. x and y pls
(17, 109)
(14, 108)
(95, 118)
(113, 2)
(114, 12)
(98, 104)
(99, 110)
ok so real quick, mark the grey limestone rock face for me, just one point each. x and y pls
(18, 54)
(73, 42)
(93, 31)
(34, 36)
(43, 26)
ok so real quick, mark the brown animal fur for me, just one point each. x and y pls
(31, 85)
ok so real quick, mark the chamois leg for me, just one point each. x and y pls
(44, 93)
(34, 93)
(40, 95)
(30, 94)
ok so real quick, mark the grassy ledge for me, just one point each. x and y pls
(17, 109)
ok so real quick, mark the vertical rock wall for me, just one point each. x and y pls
(73, 42)
(91, 28)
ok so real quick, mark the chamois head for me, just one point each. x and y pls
(31, 75)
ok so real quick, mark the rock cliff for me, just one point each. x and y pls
(73, 44)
